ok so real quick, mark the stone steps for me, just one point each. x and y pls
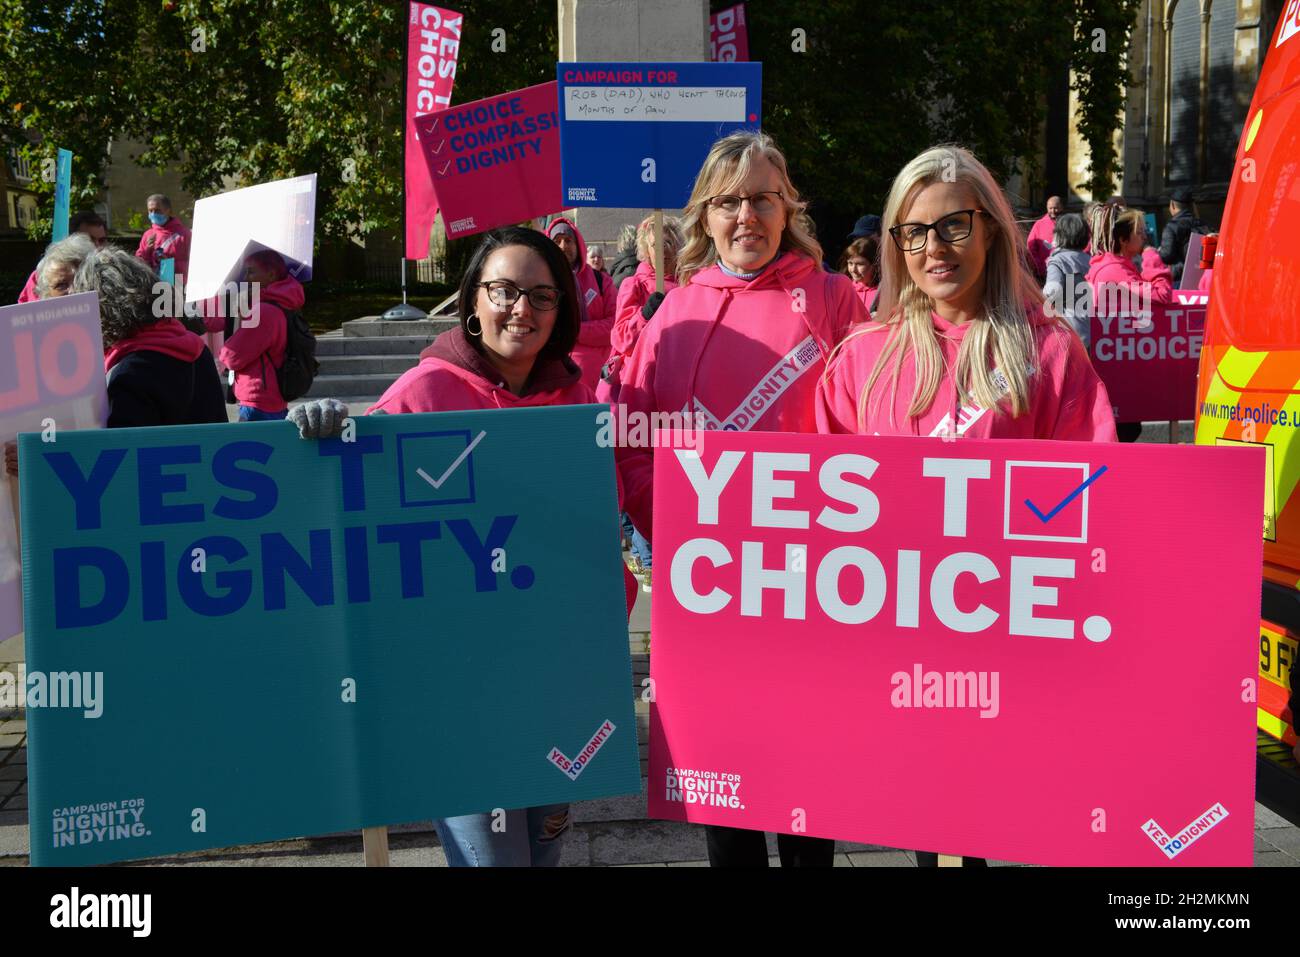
(359, 365)
(339, 345)
(367, 355)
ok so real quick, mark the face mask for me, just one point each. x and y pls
(158, 218)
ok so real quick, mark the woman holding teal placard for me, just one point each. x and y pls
(519, 319)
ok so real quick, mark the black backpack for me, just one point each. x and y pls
(300, 367)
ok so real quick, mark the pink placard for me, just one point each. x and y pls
(729, 36)
(496, 161)
(1149, 359)
(1029, 651)
(433, 44)
(51, 380)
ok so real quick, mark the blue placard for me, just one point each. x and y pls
(167, 269)
(276, 637)
(62, 188)
(635, 134)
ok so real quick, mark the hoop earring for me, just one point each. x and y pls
(471, 331)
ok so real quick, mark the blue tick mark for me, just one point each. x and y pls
(1068, 499)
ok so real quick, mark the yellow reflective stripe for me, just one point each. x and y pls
(1238, 367)
(1270, 724)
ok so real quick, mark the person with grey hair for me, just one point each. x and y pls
(166, 238)
(1066, 291)
(85, 223)
(60, 263)
(159, 373)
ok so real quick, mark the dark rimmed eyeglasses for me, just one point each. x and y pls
(762, 202)
(504, 293)
(950, 228)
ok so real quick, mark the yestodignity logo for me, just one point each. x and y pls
(787, 371)
(706, 788)
(96, 823)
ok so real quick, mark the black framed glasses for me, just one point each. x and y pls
(951, 228)
(502, 292)
(762, 202)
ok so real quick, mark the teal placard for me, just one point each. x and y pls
(62, 189)
(167, 270)
(424, 621)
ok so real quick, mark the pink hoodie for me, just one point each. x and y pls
(633, 293)
(1067, 400)
(167, 336)
(1115, 272)
(29, 291)
(171, 240)
(865, 293)
(452, 375)
(735, 355)
(597, 296)
(1040, 244)
(256, 349)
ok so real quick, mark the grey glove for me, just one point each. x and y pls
(319, 419)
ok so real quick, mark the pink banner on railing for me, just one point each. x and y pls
(728, 36)
(495, 161)
(1149, 358)
(433, 43)
(989, 648)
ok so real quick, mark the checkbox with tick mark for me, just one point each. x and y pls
(437, 468)
(1048, 501)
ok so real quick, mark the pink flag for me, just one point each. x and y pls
(728, 36)
(433, 41)
(495, 161)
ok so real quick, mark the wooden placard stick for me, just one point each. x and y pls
(659, 250)
(374, 844)
(950, 860)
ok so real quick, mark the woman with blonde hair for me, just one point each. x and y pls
(637, 300)
(1118, 235)
(963, 347)
(739, 345)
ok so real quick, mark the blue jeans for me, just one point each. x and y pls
(523, 839)
(249, 414)
(640, 548)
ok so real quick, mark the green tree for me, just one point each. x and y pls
(1103, 29)
(245, 91)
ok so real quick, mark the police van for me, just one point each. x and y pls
(1249, 387)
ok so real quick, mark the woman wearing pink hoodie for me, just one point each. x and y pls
(1118, 235)
(519, 319)
(634, 293)
(740, 345)
(256, 350)
(861, 263)
(955, 289)
(595, 301)
(960, 316)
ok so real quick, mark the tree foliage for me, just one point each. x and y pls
(244, 91)
(1100, 60)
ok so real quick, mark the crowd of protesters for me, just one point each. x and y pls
(939, 320)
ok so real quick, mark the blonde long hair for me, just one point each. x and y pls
(725, 168)
(1002, 339)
